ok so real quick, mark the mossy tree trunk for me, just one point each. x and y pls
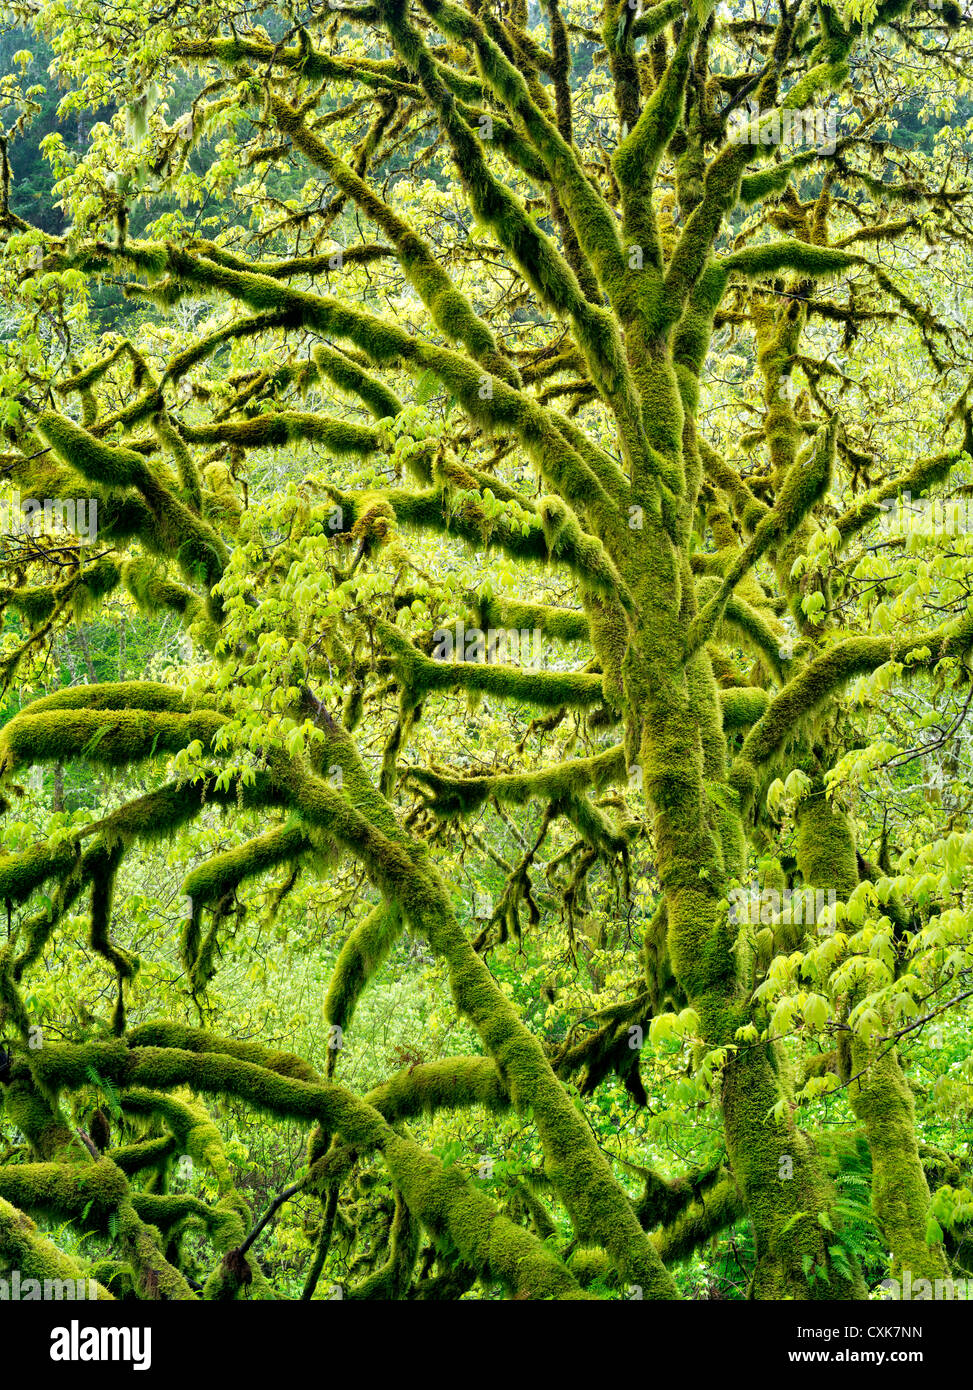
(674, 560)
(878, 1091)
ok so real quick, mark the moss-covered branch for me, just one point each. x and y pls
(440, 1198)
(27, 1250)
(548, 689)
(825, 676)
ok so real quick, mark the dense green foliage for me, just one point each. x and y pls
(486, 787)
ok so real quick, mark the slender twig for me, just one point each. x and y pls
(275, 1205)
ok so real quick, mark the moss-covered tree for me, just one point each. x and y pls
(516, 360)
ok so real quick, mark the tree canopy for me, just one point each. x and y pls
(487, 648)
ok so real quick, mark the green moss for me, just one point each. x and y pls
(879, 1095)
(882, 1101)
(596, 1203)
(420, 675)
(771, 257)
(280, 428)
(699, 1221)
(96, 461)
(805, 483)
(743, 706)
(462, 796)
(109, 737)
(563, 624)
(21, 874)
(145, 580)
(147, 1153)
(392, 1279)
(811, 687)
(588, 1265)
(350, 377)
(155, 1277)
(171, 1213)
(450, 309)
(180, 1036)
(174, 529)
(438, 1197)
(361, 957)
(451, 1084)
(825, 844)
(36, 603)
(34, 1111)
(916, 481)
(58, 1191)
(211, 884)
(26, 1249)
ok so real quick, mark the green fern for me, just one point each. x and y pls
(104, 1085)
(858, 1238)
